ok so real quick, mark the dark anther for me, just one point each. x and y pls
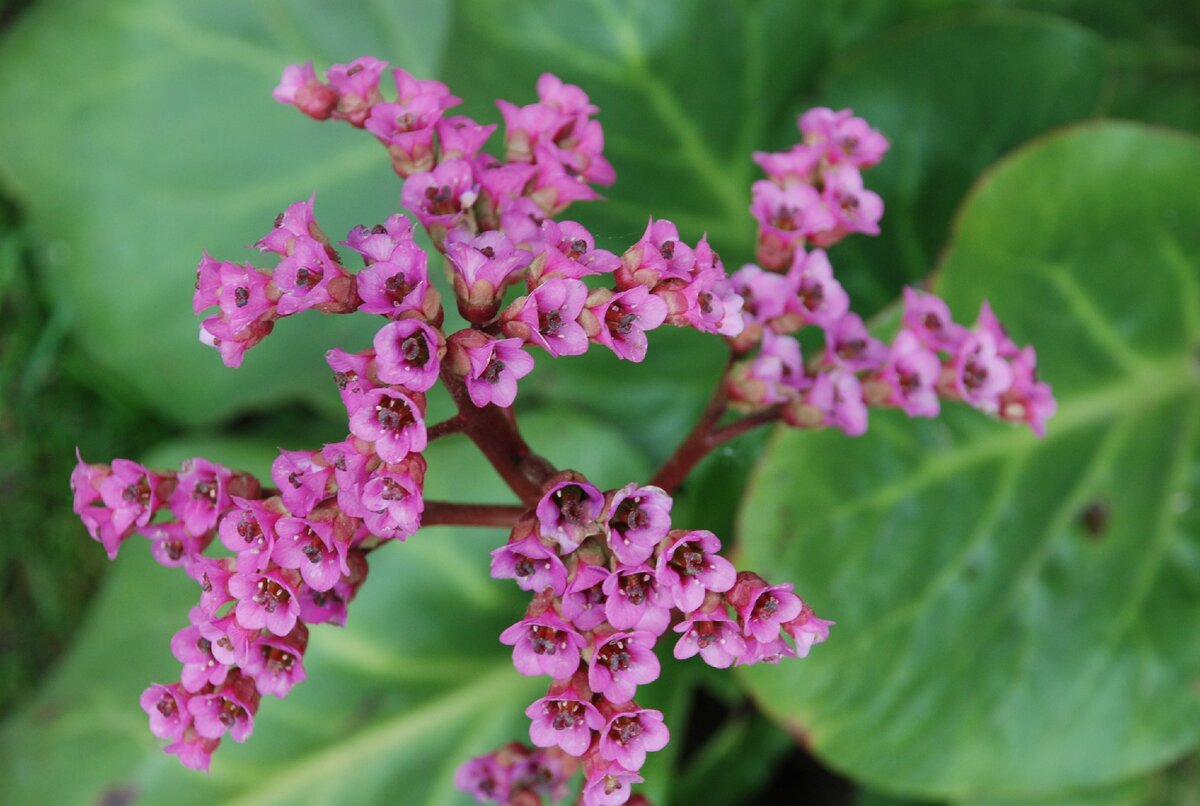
(667, 250)
(491, 373)
(578, 247)
(415, 350)
(488, 252)
(241, 296)
(393, 414)
(279, 221)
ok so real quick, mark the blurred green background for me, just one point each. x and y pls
(993, 646)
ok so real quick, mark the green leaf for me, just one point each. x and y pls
(952, 94)
(992, 640)
(414, 685)
(150, 134)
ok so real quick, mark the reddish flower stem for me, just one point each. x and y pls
(445, 513)
(747, 423)
(451, 425)
(496, 435)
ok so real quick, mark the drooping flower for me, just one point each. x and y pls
(620, 663)
(544, 644)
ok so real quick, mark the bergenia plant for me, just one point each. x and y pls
(618, 585)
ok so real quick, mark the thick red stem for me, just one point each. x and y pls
(445, 513)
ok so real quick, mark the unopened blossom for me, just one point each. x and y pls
(393, 421)
(568, 512)
(167, 708)
(621, 320)
(300, 87)
(357, 86)
(544, 644)
(549, 317)
(636, 601)
(690, 566)
(564, 720)
(532, 564)
(844, 137)
(714, 636)
(620, 663)
(629, 735)
(637, 519)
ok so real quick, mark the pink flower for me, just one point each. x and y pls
(461, 137)
(275, 663)
(849, 344)
(357, 86)
(844, 137)
(763, 608)
(544, 644)
(717, 306)
(637, 519)
(350, 472)
(563, 720)
(714, 636)
(167, 707)
(394, 504)
(912, 373)
(213, 577)
(838, 396)
(630, 734)
(620, 663)
(297, 221)
(623, 318)
(130, 492)
(305, 277)
(172, 544)
(820, 300)
(608, 784)
(382, 241)
(806, 629)
(201, 495)
(786, 217)
(482, 267)
(312, 548)
(493, 366)
(266, 600)
(194, 751)
(239, 291)
(408, 353)
(659, 255)
(854, 208)
(772, 651)
(796, 166)
(548, 317)
(441, 198)
(571, 251)
(981, 375)
(393, 421)
(568, 512)
(300, 87)
(302, 482)
(534, 566)
(397, 285)
(484, 778)
(689, 567)
(766, 294)
(636, 601)
(928, 318)
(1028, 400)
(249, 531)
(557, 184)
(407, 131)
(583, 601)
(230, 708)
(200, 667)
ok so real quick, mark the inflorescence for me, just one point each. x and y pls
(608, 571)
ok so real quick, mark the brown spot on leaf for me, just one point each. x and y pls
(1094, 518)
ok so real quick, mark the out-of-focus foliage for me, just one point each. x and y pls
(143, 130)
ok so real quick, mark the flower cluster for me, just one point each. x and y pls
(814, 196)
(609, 577)
(608, 574)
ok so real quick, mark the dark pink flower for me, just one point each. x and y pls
(544, 644)
(213, 577)
(485, 779)
(838, 396)
(407, 130)
(312, 548)
(549, 317)
(583, 601)
(620, 663)
(172, 544)
(820, 299)
(763, 608)
(806, 629)
(441, 198)
(350, 472)
(228, 641)
(844, 137)
(266, 600)
(608, 783)
(577, 255)
(297, 221)
(636, 601)
(302, 482)
(912, 373)
(981, 375)
(393, 421)
(382, 241)
(304, 278)
(493, 367)
(483, 266)
(275, 663)
(659, 254)
(200, 667)
(167, 707)
(239, 291)
(534, 566)
(461, 137)
(201, 494)
(786, 217)
(563, 720)
(394, 504)
(623, 318)
(568, 512)
(408, 353)
(130, 492)
(629, 735)
(249, 531)
(357, 86)
(849, 344)
(714, 636)
(230, 708)
(928, 318)
(689, 567)
(635, 520)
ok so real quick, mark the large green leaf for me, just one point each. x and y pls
(992, 640)
(952, 94)
(415, 684)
